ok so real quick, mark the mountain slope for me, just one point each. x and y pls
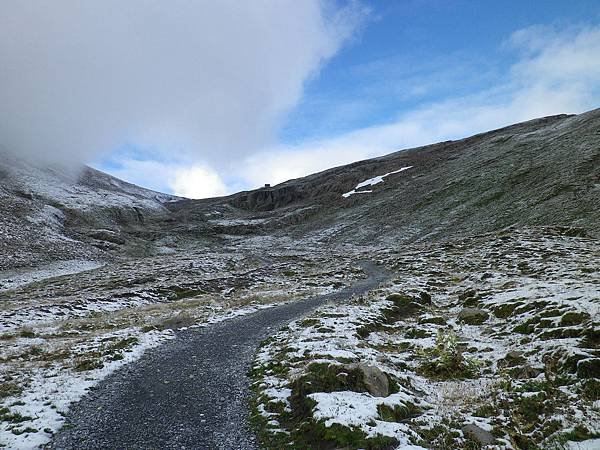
(541, 172)
(58, 214)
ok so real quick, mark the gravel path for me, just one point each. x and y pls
(190, 393)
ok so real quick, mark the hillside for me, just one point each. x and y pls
(49, 214)
(438, 297)
(541, 172)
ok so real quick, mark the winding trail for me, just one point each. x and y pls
(190, 393)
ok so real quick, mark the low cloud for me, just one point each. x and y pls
(206, 81)
(198, 182)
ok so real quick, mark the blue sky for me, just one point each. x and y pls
(204, 99)
(402, 58)
(413, 52)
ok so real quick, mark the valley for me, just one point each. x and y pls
(441, 297)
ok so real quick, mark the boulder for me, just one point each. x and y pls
(478, 434)
(375, 380)
(512, 359)
(473, 316)
(425, 298)
(588, 368)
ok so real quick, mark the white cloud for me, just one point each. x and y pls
(558, 72)
(198, 182)
(206, 79)
(186, 180)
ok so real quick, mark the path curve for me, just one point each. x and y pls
(191, 392)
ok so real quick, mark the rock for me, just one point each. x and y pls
(512, 359)
(588, 368)
(469, 293)
(525, 372)
(375, 380)
(478, 434)
(437, 320)
(473, 316)
(425, 298)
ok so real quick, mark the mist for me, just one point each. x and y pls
(203, 80)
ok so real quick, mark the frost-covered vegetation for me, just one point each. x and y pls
(60, 335)
(490, 342)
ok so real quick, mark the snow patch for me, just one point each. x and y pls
(372, 182)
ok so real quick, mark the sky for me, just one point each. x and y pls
(205, 98)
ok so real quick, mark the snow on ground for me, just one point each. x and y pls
(592, 444)
(372, 182)
(61, 336)
(52, 389)
(40, 407)
(513, 376)
(15, 279)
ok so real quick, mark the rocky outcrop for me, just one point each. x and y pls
(473, 316)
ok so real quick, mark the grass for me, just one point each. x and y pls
(445, 361)
(13, 417)
(9, 389)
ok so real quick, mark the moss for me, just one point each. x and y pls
(440, 436)
(524, 442)
(88, 364)
(123, 344)
(27, 333)
(590, 389)
(579, 434)
(560, 333)
(7, 416)
(397, 413)
(591, 337)
(433, 320)
(416, 333)
(315, 435)
(524, 328)
(445, 361)
(325, 330)
(304, 431)
(573, 318)
(17, 431)
(505, 310)
(9, 389)
(305, 323)
(487, 410)
(404, 307)
(325, 377)
(531, 408)
(550, 313)
(273, 367)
